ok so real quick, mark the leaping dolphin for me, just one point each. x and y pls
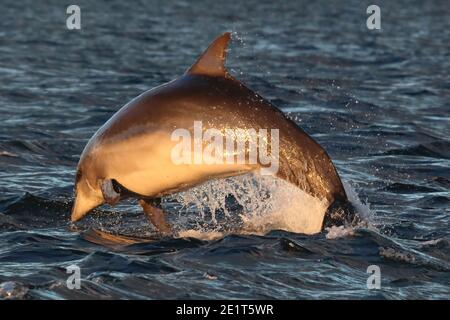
(130, 155)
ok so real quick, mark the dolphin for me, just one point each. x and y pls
(130, 155)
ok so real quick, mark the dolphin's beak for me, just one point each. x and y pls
(83, 204)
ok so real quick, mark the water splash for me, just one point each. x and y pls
(363, 210)
(253, 204)
(247, 204)
(12, 290)
(335, 232)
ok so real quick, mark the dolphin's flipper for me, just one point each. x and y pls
(110, 194)
(156, 216)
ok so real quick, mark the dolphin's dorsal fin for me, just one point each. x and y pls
(212, 61)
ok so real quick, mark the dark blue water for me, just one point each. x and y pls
(378, 101)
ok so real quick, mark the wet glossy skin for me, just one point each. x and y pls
(133, 147)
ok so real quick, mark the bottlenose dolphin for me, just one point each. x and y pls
(130, 155)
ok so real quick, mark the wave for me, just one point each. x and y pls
(32, 211)
(435, 149)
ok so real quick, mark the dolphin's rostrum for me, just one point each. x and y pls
(131, 153)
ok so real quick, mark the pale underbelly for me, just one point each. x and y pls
(145, 165)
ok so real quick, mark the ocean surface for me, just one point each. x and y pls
(377, 100)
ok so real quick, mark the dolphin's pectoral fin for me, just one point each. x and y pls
(110, 194)
(156, 216)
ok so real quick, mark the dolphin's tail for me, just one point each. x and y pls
(341, 213)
